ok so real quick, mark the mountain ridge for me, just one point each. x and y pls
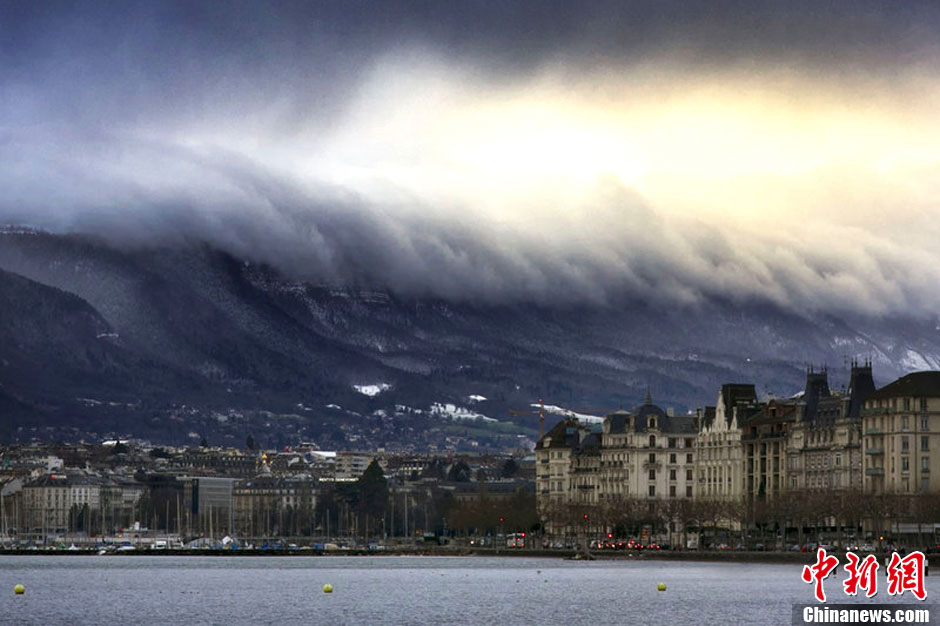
(193, 325)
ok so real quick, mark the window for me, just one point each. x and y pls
(672, 474)
(688, 458)
(672, 458)
(904, 422)
(907, 404)
(838, 460)
(651, 423)
(924, 464)
(905, 445)
(652, 474)
(652, 490)
(672, 491)
(923, 405)
(672, 442)
(925, 443)
(652, 441)
(688, 475)
(924, 424)
(689, 443)
(652, 457)
(905, 464)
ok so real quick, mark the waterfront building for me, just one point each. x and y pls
(824, 448)
(209, 504)
(765, 434)
(596, 475)
(901, 430)
(74, 500)
(720, 458)
(271, 505)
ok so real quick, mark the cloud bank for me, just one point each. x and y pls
(483, 152)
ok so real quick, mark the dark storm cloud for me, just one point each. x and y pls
(120, 118)
(91, 60)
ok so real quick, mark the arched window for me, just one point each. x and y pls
(652, 441)
(652, 422)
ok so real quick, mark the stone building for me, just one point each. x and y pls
(824, 449)
(647, 455)
(272, 505)
(52, 503)
(901, 430)
(720, 458)
(764, 437)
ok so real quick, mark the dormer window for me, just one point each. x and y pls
(652, 422)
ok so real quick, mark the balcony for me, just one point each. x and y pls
(875, 471)
(873, 431)
(874, 451)
(652, 465)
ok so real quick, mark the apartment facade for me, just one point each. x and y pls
(719, 449)
(901, 436)
(644, 455)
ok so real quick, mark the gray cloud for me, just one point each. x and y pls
(99, 102)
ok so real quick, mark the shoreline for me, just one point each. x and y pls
(715, 557)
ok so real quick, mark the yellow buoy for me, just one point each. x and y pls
(328, 588)
(661, 587)
(19, 590)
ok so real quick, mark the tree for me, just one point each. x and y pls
(203, 443)
(459, 473)
(250, 443)
(372, 488)
(509, 469)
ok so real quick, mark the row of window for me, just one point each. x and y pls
(672, 474)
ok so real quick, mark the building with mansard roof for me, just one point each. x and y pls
(647, 454)
(824, 449)
(901, 430)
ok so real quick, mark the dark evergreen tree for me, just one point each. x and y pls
(509, 469)
(459, 472)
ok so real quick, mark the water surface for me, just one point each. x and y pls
(402, 590)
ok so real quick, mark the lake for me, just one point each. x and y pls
(403, 590)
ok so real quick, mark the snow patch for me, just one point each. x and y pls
(334, 406)
(581, 417)
(916, 361)
(457, 412)
(476, 398)
(372, 390)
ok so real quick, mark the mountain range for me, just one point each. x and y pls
(184, 339)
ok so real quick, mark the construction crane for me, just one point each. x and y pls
(541, 417)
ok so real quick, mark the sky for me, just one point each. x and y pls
(571, 152)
